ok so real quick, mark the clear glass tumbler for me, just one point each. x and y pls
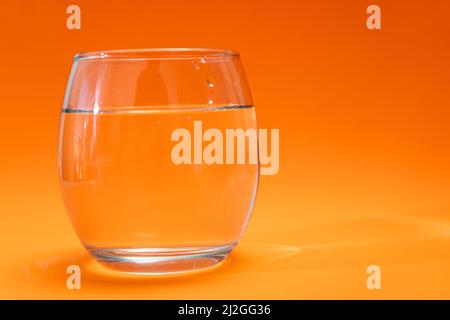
(158, 157)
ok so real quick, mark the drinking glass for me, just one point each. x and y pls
(158, 157)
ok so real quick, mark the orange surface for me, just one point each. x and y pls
(364, 145)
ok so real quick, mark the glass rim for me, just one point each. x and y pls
(157, 54)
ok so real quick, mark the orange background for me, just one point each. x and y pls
(364, 145)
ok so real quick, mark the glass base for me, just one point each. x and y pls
(160, 261)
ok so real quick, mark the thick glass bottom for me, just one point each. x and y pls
(160, 261)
